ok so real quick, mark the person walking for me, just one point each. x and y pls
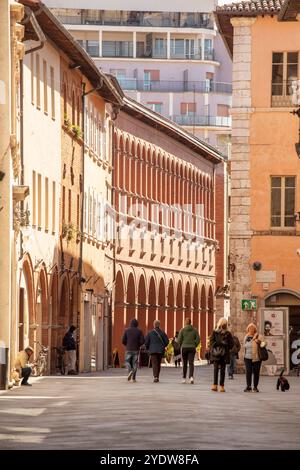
(133, 339)
(69, 344)
(188, 340)
(156, 342)
(221, 342)
(177, 351)
(23, 366)
(252, 342)
(234, 355)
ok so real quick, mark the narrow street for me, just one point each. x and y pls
(104, 411)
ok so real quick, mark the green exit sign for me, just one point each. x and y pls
(249, 304)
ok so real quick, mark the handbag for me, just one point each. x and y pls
(263, 353)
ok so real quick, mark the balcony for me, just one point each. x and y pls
(91, 47)
(195, 120)
(137, 19)
(117, 49)
(175, 86)
(282, 94)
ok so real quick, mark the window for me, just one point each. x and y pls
(38, 82)
(118, 73)
(69, 206)
(209, 82)
(78, 211)
(45, 87)
(34, 198)
(46, 204)
(53, 207)
(73, 108)
(150, 76)
(208, 49)
(283, 201)
(157, 107)
(189, 109)
(222, 110)
(63, 204)
(160, 47)
(284, 72)
(52, 92)
(39, 201)
(32, 77)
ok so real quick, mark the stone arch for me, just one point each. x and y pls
(187, 301)
(179, 305)
(27, 317)
(152, 302)
(42, 307)
(130, 299)
(142, 303)
(53, 290)
(162, 303)
(64, 307)
(203, 321)
(196, 308)
(171, 309)
(210, 310)
(119, 316)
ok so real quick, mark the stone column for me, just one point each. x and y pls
(240, 228)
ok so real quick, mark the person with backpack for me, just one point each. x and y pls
(133, 339)
(156, 342)
(234, 355)
(69, 345)
(188, 339)
(221, 342)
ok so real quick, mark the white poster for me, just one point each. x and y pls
(273, 323)
(275, 349)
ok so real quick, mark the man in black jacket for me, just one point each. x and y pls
(133, 339)
(69, 345)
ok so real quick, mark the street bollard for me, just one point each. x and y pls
(3, 368)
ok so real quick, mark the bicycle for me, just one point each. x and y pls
(60, 359)
(40, 365)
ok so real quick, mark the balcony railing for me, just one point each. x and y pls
(195, 120)
(117, 49)
(144, 19)
(282, 94)
(91, 47)
(175, 86)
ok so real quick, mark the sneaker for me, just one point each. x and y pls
(230, 377)
(248, 389)
(133, 380)
(214, 388)
(255, 390)
(222, 388)
(155, 380)
(183, 381)
(129, 376)
(26, 383)
(191, 380)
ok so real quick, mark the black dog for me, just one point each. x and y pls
(282, 382)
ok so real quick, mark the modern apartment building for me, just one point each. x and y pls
(169, 58)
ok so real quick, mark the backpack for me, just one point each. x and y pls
(218, 351)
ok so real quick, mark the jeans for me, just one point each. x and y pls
(222, 367)
(232, 365)
(131, 359)
(26, 371)
(252, 368)
(188, 355)
(156, 361)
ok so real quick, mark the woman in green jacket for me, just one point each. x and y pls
(188, 340)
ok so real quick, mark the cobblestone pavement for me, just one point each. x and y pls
(104, 411)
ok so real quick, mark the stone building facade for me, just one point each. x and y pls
(264, 230)
(164, 186)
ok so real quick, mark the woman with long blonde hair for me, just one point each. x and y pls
(221, 342)
(252, 342)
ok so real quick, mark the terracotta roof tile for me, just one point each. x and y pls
(256, 7)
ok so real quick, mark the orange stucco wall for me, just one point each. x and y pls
(273, 133)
